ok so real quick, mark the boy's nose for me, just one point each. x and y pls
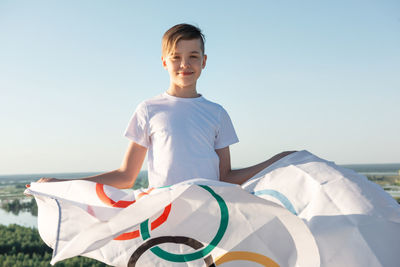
(185, 63)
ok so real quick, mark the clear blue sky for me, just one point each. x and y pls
(317, 75)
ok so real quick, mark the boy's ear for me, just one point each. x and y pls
(204, 61)
(164, 63)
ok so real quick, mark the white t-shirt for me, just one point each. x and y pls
(181, 135)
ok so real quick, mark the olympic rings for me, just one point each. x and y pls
(281, 197)
(193, 243)
(247, 256)
(198, 254)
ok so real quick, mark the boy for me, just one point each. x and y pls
(185, 135)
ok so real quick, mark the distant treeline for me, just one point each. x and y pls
(384, 167)
(15, 206)
(27, 178)
(23, 247)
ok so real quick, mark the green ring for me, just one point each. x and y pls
(144, 229)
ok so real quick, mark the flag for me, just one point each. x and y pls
(300, 211)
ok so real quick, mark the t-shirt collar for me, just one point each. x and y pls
(186, 99)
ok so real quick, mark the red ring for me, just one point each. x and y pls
(123, 204)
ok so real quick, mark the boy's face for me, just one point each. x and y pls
(185, 63)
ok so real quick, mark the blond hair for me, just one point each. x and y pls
(180, 32)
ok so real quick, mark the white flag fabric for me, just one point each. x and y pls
(354, 221)
(301, 211)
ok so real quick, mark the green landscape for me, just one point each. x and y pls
(22, 246)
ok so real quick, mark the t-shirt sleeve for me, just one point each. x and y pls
(226, 134)
(138, 127)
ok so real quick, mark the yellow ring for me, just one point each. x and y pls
(247, 256)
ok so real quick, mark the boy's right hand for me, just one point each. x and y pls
(43, 180)
(47, 180)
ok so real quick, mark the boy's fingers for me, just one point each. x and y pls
(46, 180)
(26, 194)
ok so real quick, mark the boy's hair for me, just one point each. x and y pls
(180, 32)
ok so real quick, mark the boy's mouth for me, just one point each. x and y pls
(186, 73)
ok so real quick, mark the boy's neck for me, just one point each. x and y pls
(183, 92)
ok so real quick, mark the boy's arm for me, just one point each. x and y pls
(226, 174)
(124, 176)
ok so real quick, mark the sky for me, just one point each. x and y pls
(323, 76)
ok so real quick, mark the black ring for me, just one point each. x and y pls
(193, 243)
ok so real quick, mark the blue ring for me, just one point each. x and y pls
(281, 197)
